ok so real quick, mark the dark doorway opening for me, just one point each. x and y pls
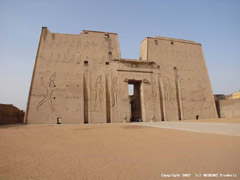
(134, 93)
(59, 121)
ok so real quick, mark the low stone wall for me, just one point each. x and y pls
(9, 114)
(229, 108)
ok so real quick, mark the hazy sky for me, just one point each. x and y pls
(213, 23)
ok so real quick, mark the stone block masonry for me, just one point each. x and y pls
(83, 79)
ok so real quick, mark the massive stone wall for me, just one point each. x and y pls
(229, 108)
(184, 77)
(82, 79)
(70, 72)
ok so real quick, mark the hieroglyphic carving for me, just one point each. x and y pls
(66, 56)
(71, 58)
(196, 100)
(154, 93)
(198, 94)
(50, 59)
(78, 58)
(78, 44)
(48, 96)
(185, 55)
(66, 42)
(98, 63)
(114, 90)
(58, 43)
(89, 43)
(71, 44)
(98, 93)
(58, 60)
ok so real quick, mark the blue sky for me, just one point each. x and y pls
(213, 23)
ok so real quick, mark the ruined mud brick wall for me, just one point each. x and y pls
(9, 114)
(82, 79)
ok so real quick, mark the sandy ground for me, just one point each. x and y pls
(114, 152)
(220, 120)
(203, 127)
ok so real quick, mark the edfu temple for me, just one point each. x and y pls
(83, 79)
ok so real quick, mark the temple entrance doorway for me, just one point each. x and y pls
(134, 93)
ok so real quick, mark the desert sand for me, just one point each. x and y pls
(220, 120)
(114, 152)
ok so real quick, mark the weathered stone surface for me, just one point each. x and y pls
(229, 108)
(83, 79)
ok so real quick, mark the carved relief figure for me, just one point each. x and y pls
(169, 91)
(114, 90)
(48, 96)
(98, 93)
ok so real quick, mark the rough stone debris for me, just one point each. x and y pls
(83, 79)
(10, 114)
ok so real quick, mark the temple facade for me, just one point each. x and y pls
(83, 79)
